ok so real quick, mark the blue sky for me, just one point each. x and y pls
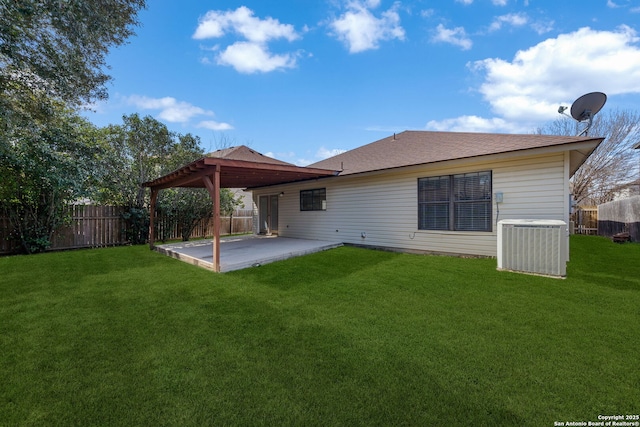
(303, 80)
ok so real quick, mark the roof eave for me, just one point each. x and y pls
(191, 175)
(580, 151)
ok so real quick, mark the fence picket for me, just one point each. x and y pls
(586, 220)
(98, 226)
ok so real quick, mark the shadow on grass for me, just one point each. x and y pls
(608, 280)
(600, 262)
(316, 269)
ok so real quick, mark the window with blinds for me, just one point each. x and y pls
(313, 200)
(459, 202)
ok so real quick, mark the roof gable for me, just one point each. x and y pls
(242, 152)
(238, 167)
(411, 148)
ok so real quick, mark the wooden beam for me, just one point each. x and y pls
(252, 174)
(152, 217)
(213, 186)
(183, 179)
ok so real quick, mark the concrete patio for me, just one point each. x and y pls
(240, 252)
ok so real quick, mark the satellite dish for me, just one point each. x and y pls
(588, 106)
(585, 107)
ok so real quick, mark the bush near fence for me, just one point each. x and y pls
(100, 226)
(620, 216)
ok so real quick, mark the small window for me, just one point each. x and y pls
(313, 200)
(459, 202)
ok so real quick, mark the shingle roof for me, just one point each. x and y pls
(422, 147)
(239, 167)
(242, 152)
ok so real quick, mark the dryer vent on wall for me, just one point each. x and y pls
(533, 246)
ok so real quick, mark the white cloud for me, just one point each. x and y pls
(324, 153)
(212, 25)
(525, 92)
(242, 21)
(499, 2)
(427, 13)
(170, 108)
(512, 19)
(456, 36)
(613, 5)
(472, 124)
(465, 1)
(174, 111)
(252, 54)
(542, 27)
(562, 68)
(518, 20)
(247, 57)
(360, 30)
(321, 154)
(291, 157)
(213, 125)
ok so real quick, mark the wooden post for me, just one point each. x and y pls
(213, 186)
(152, 218)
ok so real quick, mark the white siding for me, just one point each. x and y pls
(385, 206)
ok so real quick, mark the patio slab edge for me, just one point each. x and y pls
(258, 262)
(185, 258)
(228, 264)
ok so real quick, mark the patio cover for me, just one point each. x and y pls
(235, 167)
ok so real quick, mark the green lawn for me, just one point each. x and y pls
(125, 336)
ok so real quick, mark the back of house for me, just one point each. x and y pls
(423, 191)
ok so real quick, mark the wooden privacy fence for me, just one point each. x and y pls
(99, 226)
(89, 227)
(620, 216)
(586, 221)
(239, 223)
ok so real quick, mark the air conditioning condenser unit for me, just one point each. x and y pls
(533, 246)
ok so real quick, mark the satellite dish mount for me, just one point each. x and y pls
(584, 108)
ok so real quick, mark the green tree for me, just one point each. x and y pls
(52, 60)
(136, 152)
(187, 207)
(58, 47)
(182, 207)
(47, 164)
(140, 150)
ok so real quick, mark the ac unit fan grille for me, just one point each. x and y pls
(533, 248)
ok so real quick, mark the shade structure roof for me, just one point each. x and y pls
(240, 167)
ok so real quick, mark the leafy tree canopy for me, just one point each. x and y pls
(45, 166)
(52, 61)
(140, 150)
(137, 151)
(59, 46)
